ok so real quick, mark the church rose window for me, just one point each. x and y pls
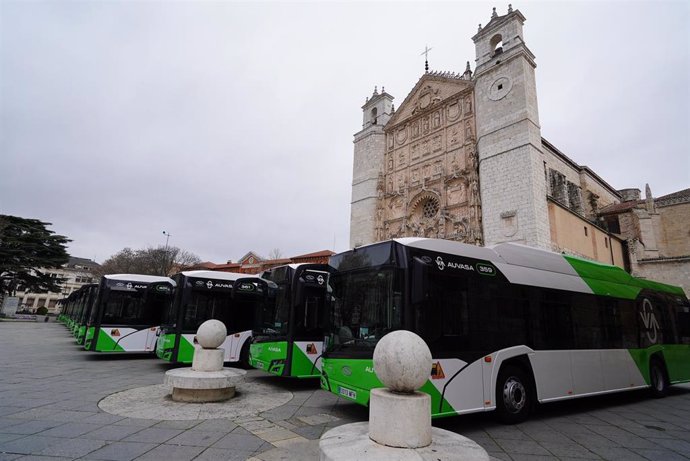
(430, 208)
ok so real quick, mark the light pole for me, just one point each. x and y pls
(166, 256)
(167, 237)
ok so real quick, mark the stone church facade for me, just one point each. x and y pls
(463, 159)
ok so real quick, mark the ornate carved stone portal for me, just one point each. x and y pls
(429, 185)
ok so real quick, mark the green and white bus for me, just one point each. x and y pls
(233, 298)
(68, 310)
(289, 340)
(85, 300)
(508, 325)
(127, 314)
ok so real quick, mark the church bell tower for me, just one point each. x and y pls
(511, 165)
(370, 144)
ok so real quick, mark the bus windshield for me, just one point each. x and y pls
(134, 307)
(205, 305)
(367, 304)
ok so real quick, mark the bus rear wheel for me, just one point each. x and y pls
(244, 355)
(657, 378)
(513, 395)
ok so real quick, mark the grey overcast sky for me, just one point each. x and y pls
(229, 125)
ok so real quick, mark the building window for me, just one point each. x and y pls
(585, 231)
(606, 242)
(430, 208)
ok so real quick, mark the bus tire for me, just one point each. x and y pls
(514, 395)
(658, 378)
(244, 355)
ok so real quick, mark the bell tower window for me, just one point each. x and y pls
(374, 115)
(496, 44)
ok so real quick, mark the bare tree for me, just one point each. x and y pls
(162, 260)
(275, 254)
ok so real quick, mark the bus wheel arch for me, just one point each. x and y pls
(515, 390)
(658, 376)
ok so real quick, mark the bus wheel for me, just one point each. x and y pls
(513, 395)
(657, 378)
(244, 355)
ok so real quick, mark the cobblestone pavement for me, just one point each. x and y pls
(50, 389)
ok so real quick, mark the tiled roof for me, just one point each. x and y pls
(620, 207)
(316, 254)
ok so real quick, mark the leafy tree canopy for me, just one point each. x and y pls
(149, 261)
(26, 248)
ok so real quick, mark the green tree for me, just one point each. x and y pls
(26, 248)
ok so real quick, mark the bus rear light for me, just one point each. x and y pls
(487, 359)
(487, 402)
(570, 392)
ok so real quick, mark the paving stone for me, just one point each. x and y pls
(43, 458)
(223, 454)
(31, 444)
(9, 456)
(660, 455)
(137, 422)
(112, 432)
(240, 442)
(180, 424)
(172, 453)
(310, 432)
(291, 450)
(153, 435)
(74, 448)
(121, 451)
(31, 427)
(197, 438)
(522, 447)
(216, 425)
(7, 437)
(274, 435)
(321, 418)
(70, 430)
(568, 450)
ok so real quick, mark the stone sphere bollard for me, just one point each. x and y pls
(211, 334)
(399, 416)
(206, 380)
(399, 424)
(402, 361)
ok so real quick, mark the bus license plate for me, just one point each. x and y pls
(347, 393)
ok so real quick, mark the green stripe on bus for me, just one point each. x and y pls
(676, 358)
(302, 367)
(269, 356)
(363, 379)
(185, 353)
(107, 344)
(608, 280)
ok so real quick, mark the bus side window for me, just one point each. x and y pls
(442, 312)
(556, 325)
(587, 322)
(683, 323)
(628, 318)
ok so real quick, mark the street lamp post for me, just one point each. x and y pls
(167, 238)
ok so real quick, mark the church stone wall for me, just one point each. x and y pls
(675, 230)
(430, 184)
(674, 272)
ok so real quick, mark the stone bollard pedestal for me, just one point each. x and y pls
(206, 380)
(400, 420)
(399, 426)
